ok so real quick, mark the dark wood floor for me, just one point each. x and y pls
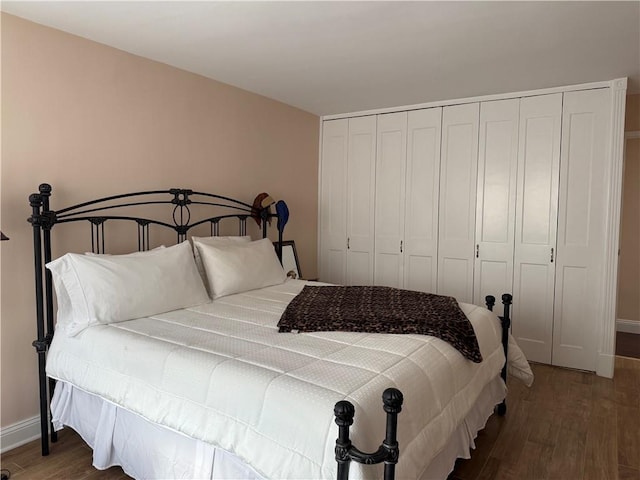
(628, 344)
(570, 425)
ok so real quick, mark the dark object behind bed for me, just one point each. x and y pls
(117, 208)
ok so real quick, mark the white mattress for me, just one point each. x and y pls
(222, 374)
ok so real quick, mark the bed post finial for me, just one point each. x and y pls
(35, 200)
(344, 412)
(490, 300)
(392, 399)
(45, 189)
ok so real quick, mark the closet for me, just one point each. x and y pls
(511, 193)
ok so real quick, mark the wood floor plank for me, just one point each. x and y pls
(535, 461)
(490, 470)
(12, 467)
(627, 473)
(603, 397)
(629, 436)
(627, 382)
(510, 444)
(601, 458)
(568, 456)
(545, 428)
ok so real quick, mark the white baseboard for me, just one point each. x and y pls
(19, 433)
(628, 326)
(605, 365)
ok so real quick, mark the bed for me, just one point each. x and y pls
(213, 389)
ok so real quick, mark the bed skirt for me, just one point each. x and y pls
(146, 450)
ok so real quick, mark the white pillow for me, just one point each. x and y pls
(94, 289)
(216, 241)
(240, 267)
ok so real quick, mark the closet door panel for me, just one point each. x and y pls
(390, 198)
(581, 217)
(333, 201)
(492, 277)
(360, 197)
(419, 273)
(457, 209)
(536, 222)
(422, 190)
(495, 209)
(532, 330)
(450, 271)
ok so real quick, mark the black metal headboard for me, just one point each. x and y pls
(124, 208)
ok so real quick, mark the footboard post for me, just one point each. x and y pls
(506, 324)
(490, 300)
(40, 344)
(392, 400)
(388, 452)
(344, 412)
(45, 193)
(505, 321)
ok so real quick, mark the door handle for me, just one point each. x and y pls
(400, 246)
(347, 243)
(477, 250)
(551, 254)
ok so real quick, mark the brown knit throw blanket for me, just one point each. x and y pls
(375, 309)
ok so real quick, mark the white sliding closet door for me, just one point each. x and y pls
(422, 190)
(333, 198)
(390, 199)
(457, 209)
(495, 211)
(581, 232)
(361, 174)
(536, 224)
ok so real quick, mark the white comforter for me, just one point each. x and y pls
(223, 374)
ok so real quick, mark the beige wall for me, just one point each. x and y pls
(92, 121)
(629, 270)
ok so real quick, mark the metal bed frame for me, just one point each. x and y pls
(97, 212)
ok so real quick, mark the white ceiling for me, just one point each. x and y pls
(335, 57)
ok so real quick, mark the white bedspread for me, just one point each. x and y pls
(223, 374)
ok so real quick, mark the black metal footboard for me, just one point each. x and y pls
(388, 452)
